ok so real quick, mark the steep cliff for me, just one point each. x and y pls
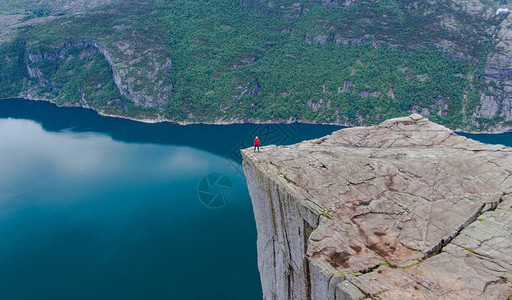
(406, 209)
(149, 95)
(497, 100)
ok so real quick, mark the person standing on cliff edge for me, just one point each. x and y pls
(256, 144)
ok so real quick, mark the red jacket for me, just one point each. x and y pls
(256, 142)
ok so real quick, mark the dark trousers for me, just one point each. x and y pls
(255, 148)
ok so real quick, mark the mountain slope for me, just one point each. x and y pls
(349, 62)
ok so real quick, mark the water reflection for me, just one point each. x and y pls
(85, 216)
(226, 141)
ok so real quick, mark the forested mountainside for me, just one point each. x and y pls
(219, 61)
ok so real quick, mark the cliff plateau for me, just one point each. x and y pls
(405, 209)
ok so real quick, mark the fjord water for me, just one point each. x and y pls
(103, 208)
(94, 207)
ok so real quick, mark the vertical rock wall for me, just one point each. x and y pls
(284, 221)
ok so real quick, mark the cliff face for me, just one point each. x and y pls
(498, 100)
(155, 94)
(399, 210)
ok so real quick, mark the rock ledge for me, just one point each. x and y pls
(405, 209)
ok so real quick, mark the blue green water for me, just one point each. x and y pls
(103, 208)
(502, 139)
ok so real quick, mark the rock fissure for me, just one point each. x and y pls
(501, 280)
(439, 247)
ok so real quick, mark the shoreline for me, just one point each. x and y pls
(220, 123)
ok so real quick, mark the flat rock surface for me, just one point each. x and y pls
(408, 208)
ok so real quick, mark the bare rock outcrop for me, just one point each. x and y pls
(143, 95)
(499, 71)
(13, 16)
(406, 209)
(60, 6)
